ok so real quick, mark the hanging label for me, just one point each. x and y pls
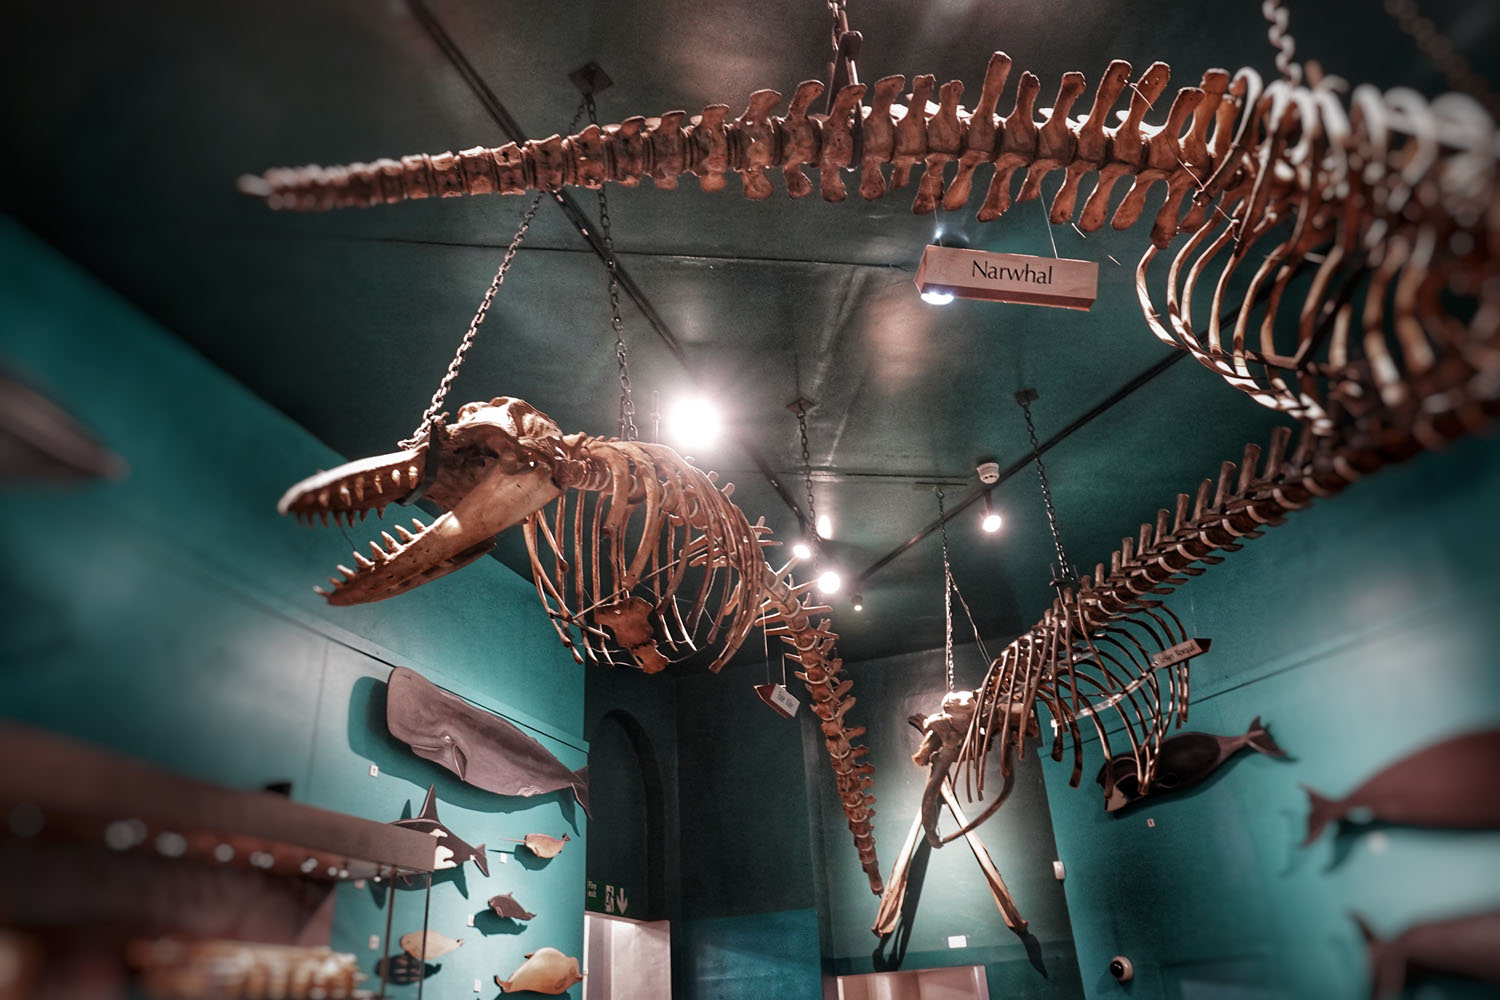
(779, 698)
(1009, 277)
(1182, 651)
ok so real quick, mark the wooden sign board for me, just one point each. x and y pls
(1009, 277)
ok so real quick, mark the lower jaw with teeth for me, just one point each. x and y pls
(406, 560)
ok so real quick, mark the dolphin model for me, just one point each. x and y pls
(451, 851)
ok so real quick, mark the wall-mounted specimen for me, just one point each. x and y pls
(428, 944)
(505, 905)
(1466, 946)
(541, 844)
(1453, 784)
(545, 970)
(40, 442)
(450, 851)
(1184, 761)
(480, 747)
(629, 521)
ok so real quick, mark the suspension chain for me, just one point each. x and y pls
(1064, 572)
(627, 401)
(948, 588)
(800, 407)
(1281, 39)
(1436, 46)
(431, 414)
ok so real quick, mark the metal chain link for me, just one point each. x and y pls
(1065, 569)
(1282, 40)
(627, 402)
(1436, 46)
(948, 588)
(801, 408)
(436, 405)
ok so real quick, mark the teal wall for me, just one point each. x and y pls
(1362, 629)
(171, 617)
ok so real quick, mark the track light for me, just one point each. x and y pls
(829, 581)
(802, 550)
(858, 601)
(694, 422)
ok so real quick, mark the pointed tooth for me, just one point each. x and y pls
(325, 517)
(349, 574)
(364, 563)
(378, 552)
(345, 496)
(323, 498)
(377, 484)
(396, 476)
(359, 489)
(416, 522)
(406, 536)
(321, 592)
(380, 511)
(411, 473)
(335, 581)
(364, 513)
(391, 545)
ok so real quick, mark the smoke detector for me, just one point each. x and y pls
(989, 473)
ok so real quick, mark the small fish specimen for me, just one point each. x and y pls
(1184, 761)
(505, 905)
(545, 970)
(480, 747)
(1451, 785)
(435, 944)
(451, 852)
(540, 844)
(1462, 946)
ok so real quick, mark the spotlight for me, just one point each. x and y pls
(694, 422)
(991, 520)
(936, 298)
(802, 550)
(858, 602)
(825, 526)
(829, 582)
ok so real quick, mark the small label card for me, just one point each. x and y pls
(1182, 651)
(779, 698)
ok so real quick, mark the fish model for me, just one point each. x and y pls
(545, 970)
(1451, 785)
(1467, 946)
(541, 844)
(451, 852)
(506, 906)
(428, 944)
(480, 747)
(1185, 760)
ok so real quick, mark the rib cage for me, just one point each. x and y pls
(638, 523)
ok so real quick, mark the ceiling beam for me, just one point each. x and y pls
(586, 228)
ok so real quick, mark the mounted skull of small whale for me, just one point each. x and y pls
(1185, 761)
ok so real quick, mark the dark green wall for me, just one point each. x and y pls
(170, 616)
(954, 899)
(1362, 629)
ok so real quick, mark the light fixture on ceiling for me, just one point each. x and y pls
(858, 601)
(829, 581)
(801, 550)
(989, 475)
(825, 526)
(694, 422)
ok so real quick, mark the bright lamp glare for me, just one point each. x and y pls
(936, 298)
(694, 422)
(858, 602)
(802, 550)
(991, 522)
(825, 526)
(829, 582)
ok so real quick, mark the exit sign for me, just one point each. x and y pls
(1009, 277)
